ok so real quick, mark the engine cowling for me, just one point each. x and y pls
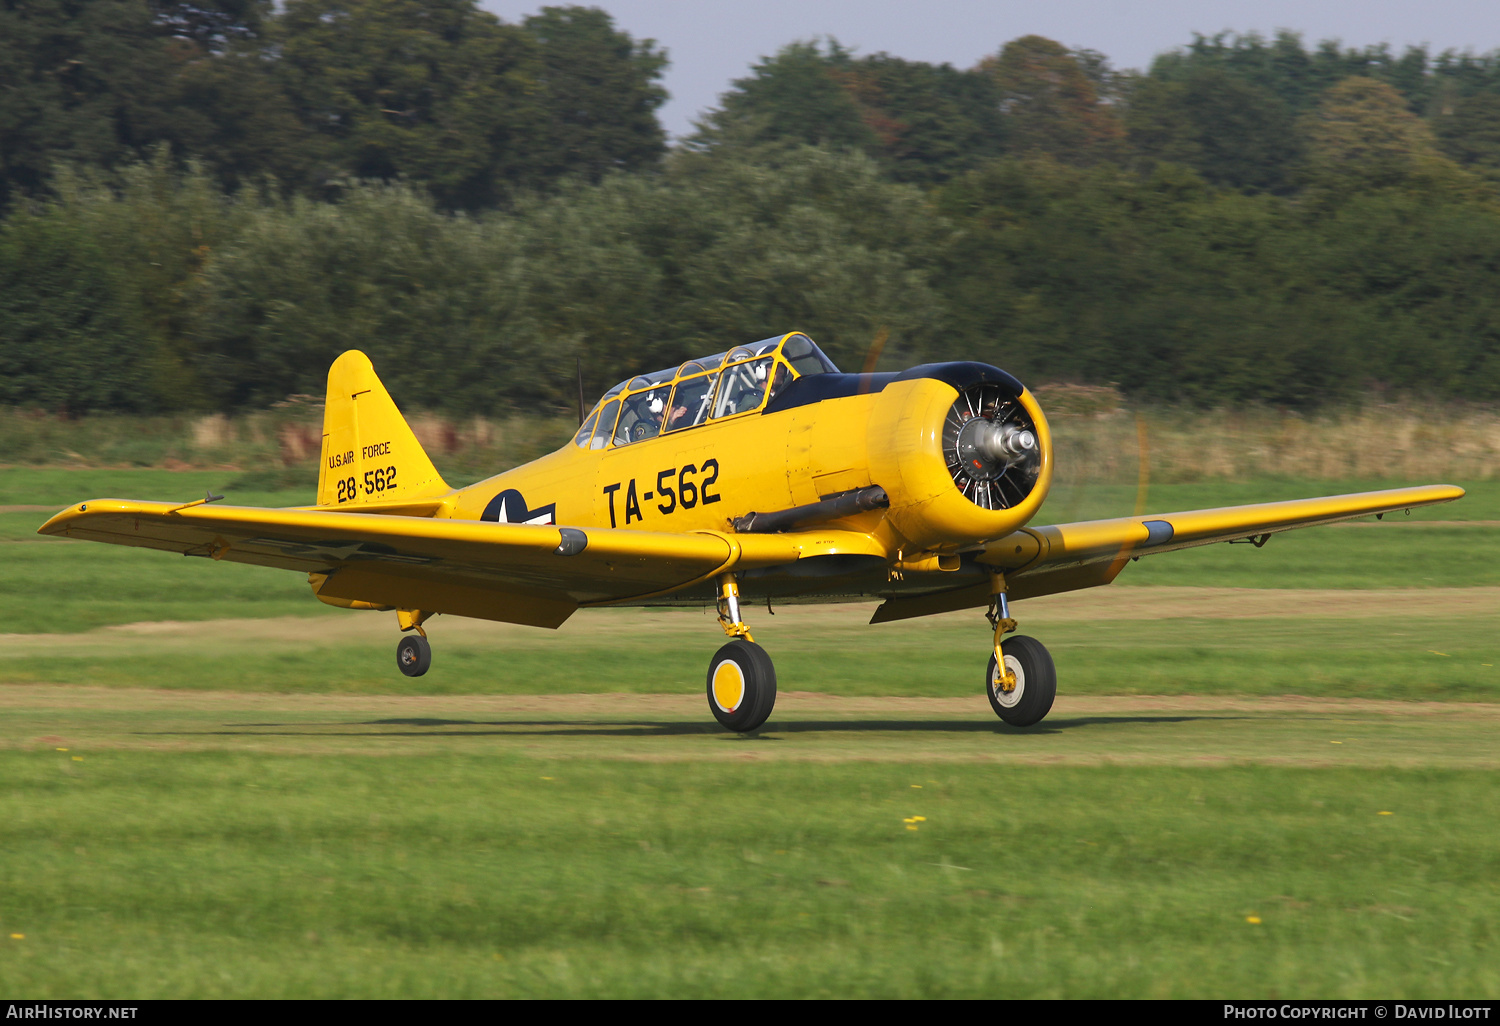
(963, 451)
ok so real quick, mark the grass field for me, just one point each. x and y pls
(1270, 773)
(177, 845)
(1119, 641)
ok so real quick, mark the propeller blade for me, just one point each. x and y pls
(580, 391)
(876, 348)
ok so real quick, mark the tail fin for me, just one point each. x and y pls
(370, 454)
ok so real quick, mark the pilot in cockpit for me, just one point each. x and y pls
(642, 416)
(724, 385)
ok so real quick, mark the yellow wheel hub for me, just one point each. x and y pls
(729, 685)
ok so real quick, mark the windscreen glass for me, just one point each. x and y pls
(743, 387)
(640, 416)
(585, 430)
(606, 425)
(690, 402)
(779, 380)
(751, 375)
(806, 358)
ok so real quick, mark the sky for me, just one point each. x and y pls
(713, 42)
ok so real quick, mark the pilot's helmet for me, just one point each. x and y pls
(656, 405)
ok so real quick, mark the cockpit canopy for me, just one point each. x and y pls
(718, 387)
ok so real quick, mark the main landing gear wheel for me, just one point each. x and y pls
(413, 655)
(1036, 682)
(741, 685)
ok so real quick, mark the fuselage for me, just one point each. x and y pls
(820, 436)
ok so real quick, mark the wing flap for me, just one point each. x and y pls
(440, 593)
(1047, 581)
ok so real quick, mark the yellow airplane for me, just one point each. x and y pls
(755, 474)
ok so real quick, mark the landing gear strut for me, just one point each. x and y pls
(1021, 681)
(741, 677)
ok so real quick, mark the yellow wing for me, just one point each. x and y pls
(1064, 557)
(518, 573)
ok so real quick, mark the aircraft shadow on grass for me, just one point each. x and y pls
(975, 726)
(673, 728)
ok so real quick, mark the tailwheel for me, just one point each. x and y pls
(1027, 697)
(741, 685)
(414, 655)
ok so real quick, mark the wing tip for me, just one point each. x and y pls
(59, 522)
(64, 518)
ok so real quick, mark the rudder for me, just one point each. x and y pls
(370, 453)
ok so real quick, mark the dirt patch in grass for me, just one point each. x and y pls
(1100, 604)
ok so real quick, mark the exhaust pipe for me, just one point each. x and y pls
(844, 504)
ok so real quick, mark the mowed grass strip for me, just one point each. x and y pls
(234, 874)
(1419, 644)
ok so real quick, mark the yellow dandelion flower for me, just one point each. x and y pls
(77, 758)
(911, 826)
(1335, 742)
(919, 819)
(61, 749)
(1253, 919)
(917, 786)
(18, 936)
(546, 778)
(1385, 813)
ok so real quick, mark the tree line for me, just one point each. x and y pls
(481, 206)
(314, 94)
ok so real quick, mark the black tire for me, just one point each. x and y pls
(747, 685)
(1036, 682)
(413, 655)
